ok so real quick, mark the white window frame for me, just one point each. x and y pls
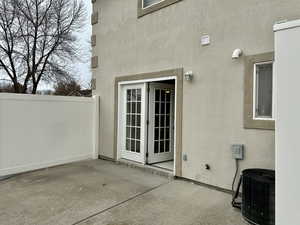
(151, 4)
(255, 92)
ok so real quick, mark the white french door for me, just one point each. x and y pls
(132, 123)
(161, 123)
(136, 137)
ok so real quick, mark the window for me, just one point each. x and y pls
(150, 6)
(263, 91)
(259, 92)
(147, 3)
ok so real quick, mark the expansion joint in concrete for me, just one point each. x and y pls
(120, 203)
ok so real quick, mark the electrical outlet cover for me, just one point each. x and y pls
(185, 158)
(205, 40)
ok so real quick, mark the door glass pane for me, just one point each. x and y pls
(167, 133)
(156, 122)
(139, 107)
(167, 121)
(132, 133)
(264, 90)
(156, 133)
(162, 133)
(168, 96)
(134, 96)
(127, 144)
(156, 108)
(132, 143)
(138, 133)
(133, 107)
(138, 121)
(127, 132)
(139, 94)
(156, 147)
(163, 95)
(162, 108)
(128, 108)
(133, 120)
(162, 120)
(128, 120)
(168, 108)
(128, 95)
(167, 146)
(162, 146)
(138, 146)
(157, 95)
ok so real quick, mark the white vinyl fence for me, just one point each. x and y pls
(287, 67)
(42, 131)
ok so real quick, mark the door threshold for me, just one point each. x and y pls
(147, 168)
(166, 165)
(158, 167)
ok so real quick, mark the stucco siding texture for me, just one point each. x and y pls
(213, 101)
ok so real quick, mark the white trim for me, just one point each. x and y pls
(175, 127)
(151, 4)
(36, 166)
(49, 98)
(96, 119)
(255, 92)
(286, 25)
(119, 133)
(148, 80)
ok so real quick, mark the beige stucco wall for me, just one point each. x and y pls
(213, 101)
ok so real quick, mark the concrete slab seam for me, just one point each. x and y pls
(120, 203)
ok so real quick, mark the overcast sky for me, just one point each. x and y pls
(83, 69)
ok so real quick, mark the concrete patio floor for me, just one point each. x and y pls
(103, 193)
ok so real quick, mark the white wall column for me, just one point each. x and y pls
(287, 70)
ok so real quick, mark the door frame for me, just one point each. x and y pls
(174, 74)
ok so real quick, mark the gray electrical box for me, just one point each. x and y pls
(237, 152)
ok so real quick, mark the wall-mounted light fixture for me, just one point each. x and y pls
(237, 53)
(189, 75)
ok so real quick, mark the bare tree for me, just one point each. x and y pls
(68, 88)
(38, 40)
(71, 88)
(6, 87)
